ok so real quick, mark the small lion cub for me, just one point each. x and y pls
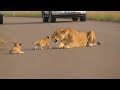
(42, 43)
(16, 49)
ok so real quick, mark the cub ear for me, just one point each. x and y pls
(48, 37)
(20, 44)
(14, 43)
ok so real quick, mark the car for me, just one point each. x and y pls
(1, 17)
(50, 16)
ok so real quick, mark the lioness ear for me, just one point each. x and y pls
(63, 31)
(60, 29)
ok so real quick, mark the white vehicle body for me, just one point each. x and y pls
(50, 16)
(65, 12)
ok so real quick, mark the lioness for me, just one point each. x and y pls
(70, 38)
(42, 43)
(16, 49)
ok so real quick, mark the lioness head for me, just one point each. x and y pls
(58, 35)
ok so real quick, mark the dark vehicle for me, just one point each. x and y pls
(1, 17)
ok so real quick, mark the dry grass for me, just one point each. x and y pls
(22, 13)
(104, 15)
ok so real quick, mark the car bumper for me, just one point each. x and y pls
(69, 15)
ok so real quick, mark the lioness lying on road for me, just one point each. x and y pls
(16, 49)
(42, 43)
(70, 38)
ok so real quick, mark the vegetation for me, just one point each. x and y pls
(104, 15)
(22, 13)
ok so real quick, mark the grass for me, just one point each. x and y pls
(113, 16)
(22, 13)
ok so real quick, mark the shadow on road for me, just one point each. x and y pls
(22, 23)
(38, 49)
(29, 49)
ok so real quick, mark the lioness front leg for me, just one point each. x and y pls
(71, 45)
(61, 45)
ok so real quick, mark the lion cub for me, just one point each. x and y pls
(16, 49)
(42, 43)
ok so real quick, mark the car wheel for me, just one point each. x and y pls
(44, 17)
(83, 18)
(52, 18)
(75, 18)
(1, 19)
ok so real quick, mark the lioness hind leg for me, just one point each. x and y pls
(91, 38)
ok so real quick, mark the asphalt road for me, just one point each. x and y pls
(98, 62)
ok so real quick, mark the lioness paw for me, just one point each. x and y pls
(22, 52)
(66, 46)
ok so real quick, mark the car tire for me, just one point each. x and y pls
(75, 18)
(52, 18)
(45, 19)
(1, 18)
(83, 18)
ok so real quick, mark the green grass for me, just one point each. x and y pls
(113, 16)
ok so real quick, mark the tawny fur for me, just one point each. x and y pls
(70, 38)
(42, 43)
(92, 39)
(16, 49)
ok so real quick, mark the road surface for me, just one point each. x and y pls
(98, 62)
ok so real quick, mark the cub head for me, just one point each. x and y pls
(49, 38)
(17, 44)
